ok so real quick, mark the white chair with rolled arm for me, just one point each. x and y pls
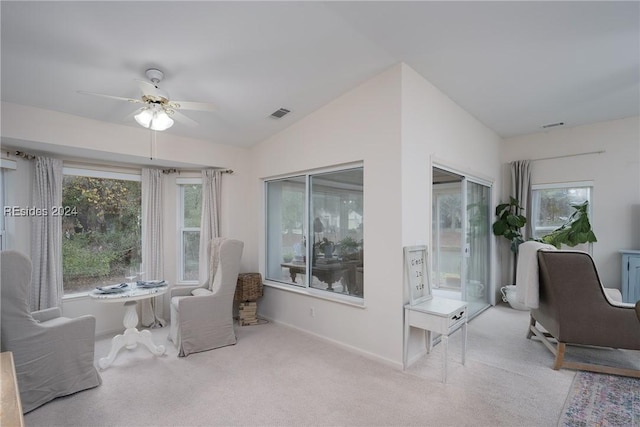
(53, 354)
(202, 316)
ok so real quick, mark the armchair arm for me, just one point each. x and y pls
(183, 291)
(612, 294)
(202, 308)
(70, 339)
(46, 314)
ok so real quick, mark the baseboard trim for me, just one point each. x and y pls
(350, 348)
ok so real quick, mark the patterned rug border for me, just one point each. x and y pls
(601, 400)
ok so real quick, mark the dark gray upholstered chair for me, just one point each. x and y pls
(53, 354)
(573, 309)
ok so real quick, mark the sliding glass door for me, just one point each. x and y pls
(460, 258)
(477, 250)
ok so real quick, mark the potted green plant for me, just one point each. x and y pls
(576, 230)
(348, 246)
(509, 223)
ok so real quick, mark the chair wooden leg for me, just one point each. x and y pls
(532, 323)
(559, 356)
(559, 351)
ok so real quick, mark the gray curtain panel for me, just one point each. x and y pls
(46, 235)
(152, 309)
(521, 190)
(210, 218)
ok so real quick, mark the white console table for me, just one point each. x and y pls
(440, 315)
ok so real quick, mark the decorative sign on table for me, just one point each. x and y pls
(417, 274)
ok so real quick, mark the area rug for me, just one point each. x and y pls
(602, 400)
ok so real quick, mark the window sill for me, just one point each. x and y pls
(78, 295)
(317, 293)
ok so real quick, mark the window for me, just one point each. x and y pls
(5, 167)
(3, 234)
(447, 232)
(552, 204)
(101, 228)
(314, 231)
(190, 206)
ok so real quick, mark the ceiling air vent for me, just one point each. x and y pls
(552, 125)
(280, 113)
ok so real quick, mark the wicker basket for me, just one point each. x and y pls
(249, 287)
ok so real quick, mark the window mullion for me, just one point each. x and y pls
(307, 230)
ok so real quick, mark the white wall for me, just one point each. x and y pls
(434, 127)
(394, 123)
(616, 176)
(362, 125)
(55, 132)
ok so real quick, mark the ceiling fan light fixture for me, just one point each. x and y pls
(161, 121)
(154, 119)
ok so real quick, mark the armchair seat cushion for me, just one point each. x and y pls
(201, 292)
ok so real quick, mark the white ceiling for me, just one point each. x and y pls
(515, 66)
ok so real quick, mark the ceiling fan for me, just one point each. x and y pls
(158, 111)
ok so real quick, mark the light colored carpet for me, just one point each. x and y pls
(276, 375)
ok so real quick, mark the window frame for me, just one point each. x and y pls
(180, 183)
(105, 173)
(306, 289)
(5, 222)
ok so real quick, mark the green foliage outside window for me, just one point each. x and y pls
(104, 238)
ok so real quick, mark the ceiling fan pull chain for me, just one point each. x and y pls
(152, 145)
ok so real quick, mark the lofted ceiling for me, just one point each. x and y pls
(515, 66)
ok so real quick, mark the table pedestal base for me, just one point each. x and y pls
(130, 338)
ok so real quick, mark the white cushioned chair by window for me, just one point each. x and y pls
(53, 354)
(202, 320)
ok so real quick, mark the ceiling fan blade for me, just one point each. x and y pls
(149, 89)
(129, 117)
(119, 98)
(183, 119)
(188, 105)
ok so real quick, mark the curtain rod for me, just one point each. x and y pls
(167, 171)
(568, 155)
(23, 155)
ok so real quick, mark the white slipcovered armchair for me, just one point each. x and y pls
(202, 316)
(53, 354)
